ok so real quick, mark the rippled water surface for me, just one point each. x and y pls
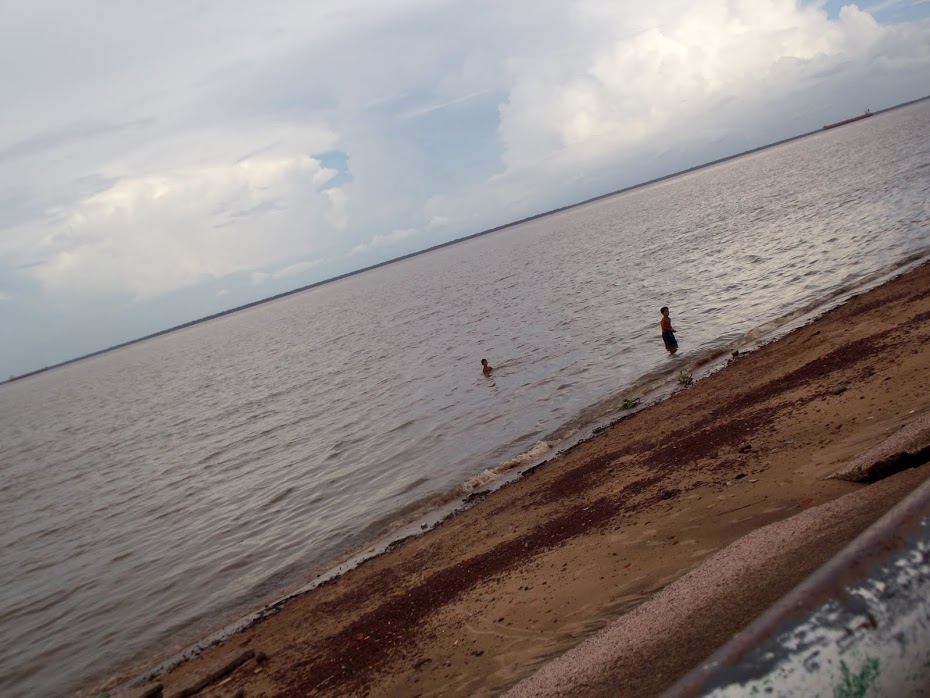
(156, 492)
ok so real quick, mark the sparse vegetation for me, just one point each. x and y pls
(629, 403)
(685, 378)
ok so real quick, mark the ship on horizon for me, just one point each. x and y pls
(848, 121)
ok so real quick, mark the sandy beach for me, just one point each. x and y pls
(482, 601)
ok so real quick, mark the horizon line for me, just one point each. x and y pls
(448, 243)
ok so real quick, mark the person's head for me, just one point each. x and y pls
(664, 310)
(484, 362)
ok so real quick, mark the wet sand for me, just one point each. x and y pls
(482, 601)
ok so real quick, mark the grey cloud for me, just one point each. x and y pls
(20, 204)
(258, 209)
(17, 205)
(90, 184)
(66, 135)
(256, 152)
(830, 71)
(226, 209)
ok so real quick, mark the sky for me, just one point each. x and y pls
(160, 162)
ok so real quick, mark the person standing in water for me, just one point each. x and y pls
(485, 368)
(668, 333)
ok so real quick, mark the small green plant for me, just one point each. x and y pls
(685, 378)
(857, 685)
(629, 403)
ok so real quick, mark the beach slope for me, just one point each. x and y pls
(482, 601)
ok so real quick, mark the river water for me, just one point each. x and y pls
(155, 493)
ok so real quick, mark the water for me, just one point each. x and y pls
(157, 492)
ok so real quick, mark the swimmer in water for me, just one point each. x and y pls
(668, 334)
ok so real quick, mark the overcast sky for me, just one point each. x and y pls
(162, 161)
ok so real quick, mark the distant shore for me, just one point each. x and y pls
(479, 602)
(442, 245)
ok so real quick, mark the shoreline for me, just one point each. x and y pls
(435, 509)
(589, 490)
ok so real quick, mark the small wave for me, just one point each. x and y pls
(408, 423)
(278, 497)
(490, 474)
(237, 563)
(413, 485)
(122, 556)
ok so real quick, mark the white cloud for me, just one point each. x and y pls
(297, 269)
(385, 240)
(337, 213)
(151, 234)
(437, 222)
(257, 278)
(393, 236)
(659, 74)
(637, 90)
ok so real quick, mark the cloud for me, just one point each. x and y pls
(298, 268)
(386, 240)
(637, 90)
(152, 234)
(337, 213)
(257, 278)
(437, 222)
(172, 147)
(49, 140)
(417, 112)
(656, 74)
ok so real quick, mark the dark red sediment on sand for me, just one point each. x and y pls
(476, 604)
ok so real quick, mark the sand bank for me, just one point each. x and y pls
(482, 601)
